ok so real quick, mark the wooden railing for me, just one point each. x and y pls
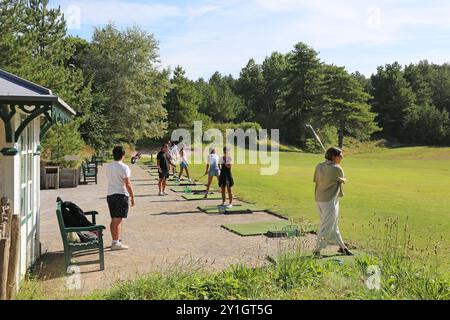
(9, 251)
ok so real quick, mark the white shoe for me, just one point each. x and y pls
(160, 194)
(165, 193)
(119, 246)
(229, 206)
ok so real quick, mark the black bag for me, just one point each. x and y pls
(73, 216)
(87, 236)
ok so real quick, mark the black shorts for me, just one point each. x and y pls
(118, 205)
(164, 175)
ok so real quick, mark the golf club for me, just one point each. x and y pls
(196, 180)
(317, 137)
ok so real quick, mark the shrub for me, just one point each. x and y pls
(61, 141)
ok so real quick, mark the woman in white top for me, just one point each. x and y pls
(212, 169)
(183, 164)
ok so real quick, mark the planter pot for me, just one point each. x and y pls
(69, 178)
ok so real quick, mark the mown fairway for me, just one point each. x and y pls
(402, 183)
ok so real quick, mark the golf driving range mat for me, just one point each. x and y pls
(193, 197)
(188, 189)
(176, 179)
(255, 228)
(183, 183)
(237, 209)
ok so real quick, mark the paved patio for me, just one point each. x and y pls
(161, 232)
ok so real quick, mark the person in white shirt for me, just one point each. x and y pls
(120, 193)
(184, 164)
(212, 169)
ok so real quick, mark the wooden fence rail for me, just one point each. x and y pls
(9, 251)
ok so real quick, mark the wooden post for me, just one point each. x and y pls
(4, 258)
(13, 264)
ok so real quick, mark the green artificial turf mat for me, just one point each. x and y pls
(192, 188)
(245, 208)
(176, 179)
(256, 228)
(192, 197)
(183, 183)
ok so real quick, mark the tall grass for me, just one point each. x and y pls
(294, 274)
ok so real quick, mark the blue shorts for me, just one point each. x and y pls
(214, 172)
(183, 165)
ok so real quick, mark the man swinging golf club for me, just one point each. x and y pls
(329, 178)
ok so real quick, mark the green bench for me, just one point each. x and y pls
(70, 247)
(97, 160)
(90, 171)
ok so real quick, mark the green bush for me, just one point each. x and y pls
(61, 141)
(223, 127)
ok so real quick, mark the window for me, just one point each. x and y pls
(26, 148)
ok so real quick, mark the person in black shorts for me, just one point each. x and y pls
(226, 181)
(163, 164)
(120, 193)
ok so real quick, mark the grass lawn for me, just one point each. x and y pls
(411, 184)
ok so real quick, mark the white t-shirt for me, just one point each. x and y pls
(116, 172)
(183, 157)
(228, 160)
(174, 152)
(213, 160)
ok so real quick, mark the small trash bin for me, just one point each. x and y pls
(51, 178)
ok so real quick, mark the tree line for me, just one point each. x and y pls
(409, 104)
(122, 94)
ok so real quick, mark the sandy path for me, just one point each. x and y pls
(161, 232)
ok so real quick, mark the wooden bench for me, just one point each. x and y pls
(90, 171)
(71, 247)
(98, 160)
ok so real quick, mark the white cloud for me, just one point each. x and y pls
(208, 35)
(196, 12)
(99, 12)
(331, 23)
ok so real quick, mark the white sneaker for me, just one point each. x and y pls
(165, 193)
(229, 206)
(160, 194)
(118, 246)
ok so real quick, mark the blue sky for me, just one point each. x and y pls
(209, 35)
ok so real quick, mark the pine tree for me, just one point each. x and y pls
(392, 97)
(345, 105)
(182, 100)
(46, 30)
(13, 48)
(250, 87)
(301, 91)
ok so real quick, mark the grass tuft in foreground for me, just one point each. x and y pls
(290, 276)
